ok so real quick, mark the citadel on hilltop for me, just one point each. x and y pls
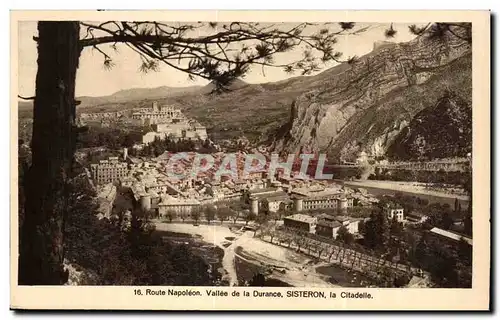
(158, 114)
(166, 121)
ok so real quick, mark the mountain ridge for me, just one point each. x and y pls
(365, 106)
(351, 106)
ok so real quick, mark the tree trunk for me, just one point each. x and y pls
(53, 146)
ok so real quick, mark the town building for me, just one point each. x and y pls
(256, 199)
(394, 211)
(108, 171)
(321, 202)
(261, 192)
(185, 129)
(106, 195)
(167, 121)
(328, 225)
(182, 207)
(301, 222)
(416, 217)
(275, 202)
(449, 235)
(320, 197)
(157, 114)
(327, 228)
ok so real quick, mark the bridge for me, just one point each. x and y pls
(436, 165)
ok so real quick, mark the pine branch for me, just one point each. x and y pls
(26, 98)
(208, 54)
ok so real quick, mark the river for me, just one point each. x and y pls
(387, 188)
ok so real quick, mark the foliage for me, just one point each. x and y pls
(248, 216)
(258, 280)
(224, 213)
(376, 233)
(362, 227)
(111, 138)
(283, 211)
(261, 219)
(448, 264)
(468, 224)
(171, 215)
(450, 137)
(209, 211)
(344, 235)
(159, 146)
(196, 214)
(136, 256)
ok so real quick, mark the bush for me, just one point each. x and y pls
(126, 255)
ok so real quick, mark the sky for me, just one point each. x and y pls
(94, 80)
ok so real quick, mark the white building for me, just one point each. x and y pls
(168, 122)
(182, 207)
(395, 212)
(275, 201)
(301, 222)
(157, 114)
(329, 225)
(108, 171)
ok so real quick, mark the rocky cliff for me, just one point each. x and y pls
(366, 104)
(442, 130)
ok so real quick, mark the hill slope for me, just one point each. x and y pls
(121, 97)
(346, 108)
(443, 130)
(366, 105)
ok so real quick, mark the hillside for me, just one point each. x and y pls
(122, 97)
(363, 105)
(366, 105)
(450, 134)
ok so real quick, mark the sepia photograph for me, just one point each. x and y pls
(309, 159)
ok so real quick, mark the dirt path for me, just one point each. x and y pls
(214, 234)
(299, 273)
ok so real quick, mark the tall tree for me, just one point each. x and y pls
(224, 213)
(196, 214)
(344, 235)
(209, 212)
(377, 231)
(53, 145)
(171, 215)
(446, 220)
(261, 219)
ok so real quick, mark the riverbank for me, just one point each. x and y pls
(418, 189)
(408, 186)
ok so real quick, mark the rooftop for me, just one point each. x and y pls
(327, 223)
(342, 218)
(325, 216)
(450, 235)
(264, 190)
(318, 192)
(302, 218)
(278, 196)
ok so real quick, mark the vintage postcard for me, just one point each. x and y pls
(250, 160)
